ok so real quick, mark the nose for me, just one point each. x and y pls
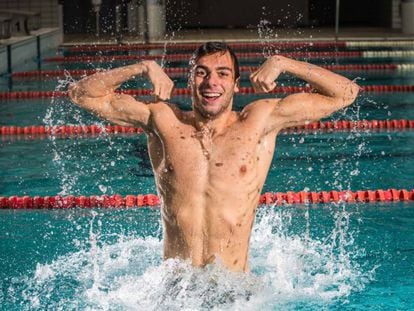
(211, 79)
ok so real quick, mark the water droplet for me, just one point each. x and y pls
(355, 172)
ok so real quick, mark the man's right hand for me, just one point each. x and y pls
(162, 84)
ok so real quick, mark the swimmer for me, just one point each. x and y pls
(210, 163)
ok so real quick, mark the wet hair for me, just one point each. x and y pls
(215, 47)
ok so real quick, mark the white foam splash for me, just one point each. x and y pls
(287, 270)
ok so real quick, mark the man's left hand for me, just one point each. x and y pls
(263, 79)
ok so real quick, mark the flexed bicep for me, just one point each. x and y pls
(125, 110)
(302, 108)
(120, 109)
(97, 93)
(334, 92)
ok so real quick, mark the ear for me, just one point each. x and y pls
(237, 85)
(190, 80)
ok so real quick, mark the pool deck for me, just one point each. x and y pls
(253, 35)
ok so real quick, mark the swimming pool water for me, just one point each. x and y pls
(327, 256)
(301, 258)
(315, 161)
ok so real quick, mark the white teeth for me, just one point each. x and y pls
(211, 94)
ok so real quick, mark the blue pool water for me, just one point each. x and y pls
(327, 256)
(330, 257)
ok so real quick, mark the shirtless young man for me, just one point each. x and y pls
(210, 163)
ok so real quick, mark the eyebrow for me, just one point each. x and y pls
(218, 68)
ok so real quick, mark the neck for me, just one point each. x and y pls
(214, 125)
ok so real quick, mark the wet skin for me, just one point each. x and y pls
(210, 184)
(211, 180)
(210, 164)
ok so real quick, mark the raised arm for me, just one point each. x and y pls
(96, 93)
(333, 92)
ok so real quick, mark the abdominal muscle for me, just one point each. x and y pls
(208, 217)
(205, 232)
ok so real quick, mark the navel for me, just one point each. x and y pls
(210, 259)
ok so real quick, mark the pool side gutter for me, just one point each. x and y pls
(248, 35)
(21, 49)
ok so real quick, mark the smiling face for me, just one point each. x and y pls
(213, 84)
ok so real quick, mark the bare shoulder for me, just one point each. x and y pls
(260, 107)
(259, 113)
(164, 111)
(162, 107)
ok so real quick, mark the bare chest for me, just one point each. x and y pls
(187, 156)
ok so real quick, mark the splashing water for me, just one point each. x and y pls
(266, 35)
(63, 112)
(56, 107)
(289, 269)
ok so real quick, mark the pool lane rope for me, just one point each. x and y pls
(184, 71)
(141, 200)
(95, 129)
(250, 55)
(186, 91)
(277, 44)
(186, 57)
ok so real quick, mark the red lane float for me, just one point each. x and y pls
(32, 94)
(186, 57)
(193, 46)
(328, 126)
(277, 198)
(67, 130)
(184, 71)
(186, 92)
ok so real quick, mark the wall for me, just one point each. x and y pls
(248, 13)
(235, 13)
(396, 14)
(49, 9)
(79, 16)
(377, 13)
(227, 14)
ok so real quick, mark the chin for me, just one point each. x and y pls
(210, 113)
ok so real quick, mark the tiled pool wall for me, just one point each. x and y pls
(16, 51)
